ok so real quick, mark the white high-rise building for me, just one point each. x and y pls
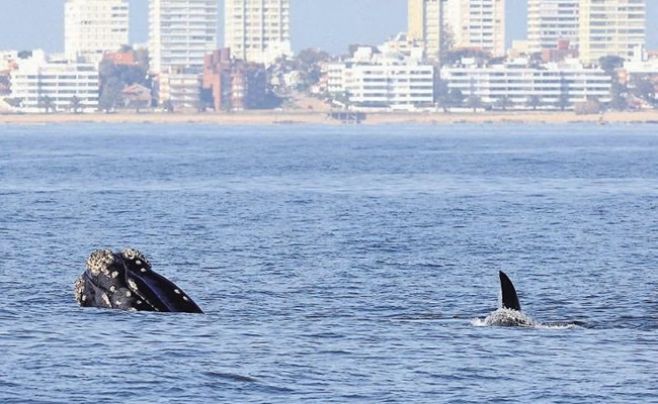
(257, 30)
(92, 27)
(611, 27)
(550, 21)
(425, 24)
(477, 24)
(181, 33)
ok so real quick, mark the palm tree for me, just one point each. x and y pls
(46, 102)
(76, 104)
(533, 102)
(503, 102)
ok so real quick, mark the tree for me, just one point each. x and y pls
(618, 96)
(474, 102)
(534, 101)
(14, 102)
(168, 106)
(114, 78)
(503, 102)
(25, 54)
(563, 100)
(441, 94)
(46, 102)
(644, 89)
(454, 55)
(110, 95)
(447, 43)
(75, 105)
(611, 63)
(456, 98)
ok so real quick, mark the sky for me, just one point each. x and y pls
(331, 25)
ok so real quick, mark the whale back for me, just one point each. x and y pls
(510, 299)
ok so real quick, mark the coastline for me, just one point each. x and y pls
(321, 118)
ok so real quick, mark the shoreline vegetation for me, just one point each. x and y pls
(323, 118)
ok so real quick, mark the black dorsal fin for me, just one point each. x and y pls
(510, 300)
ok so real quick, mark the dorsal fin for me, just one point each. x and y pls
(510, 300)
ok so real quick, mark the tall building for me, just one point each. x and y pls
(257, 30)
(476, 24)
(92, 27)
(181, 33)
(611, 27)
(552, 21)
(425, 24)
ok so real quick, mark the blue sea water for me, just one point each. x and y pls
(335, 264)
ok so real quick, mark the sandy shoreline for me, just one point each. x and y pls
(320, 118)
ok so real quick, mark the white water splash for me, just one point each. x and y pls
(513, 318)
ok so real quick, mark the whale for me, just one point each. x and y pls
(509, 313)
(124, 280)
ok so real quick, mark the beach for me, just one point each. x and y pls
(322, 118)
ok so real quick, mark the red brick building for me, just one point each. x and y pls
(233, 85)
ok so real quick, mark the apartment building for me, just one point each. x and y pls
(43, 85)
(382, 78)
(551, 22)
(425, 24)
(180, 89)
(611, 27)
(517, 82)
(476, 24)
(181, 33)
(257, 30)
(92, 27)
(234, 85)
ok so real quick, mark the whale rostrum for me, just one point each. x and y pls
(125, 280)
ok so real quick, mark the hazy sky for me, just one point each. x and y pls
(327, 24)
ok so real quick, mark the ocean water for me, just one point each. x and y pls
(335, 264)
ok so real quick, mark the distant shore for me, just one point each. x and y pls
(321, 118)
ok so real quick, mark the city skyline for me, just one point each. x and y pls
(311, 24)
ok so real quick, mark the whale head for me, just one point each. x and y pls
(125, 280)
